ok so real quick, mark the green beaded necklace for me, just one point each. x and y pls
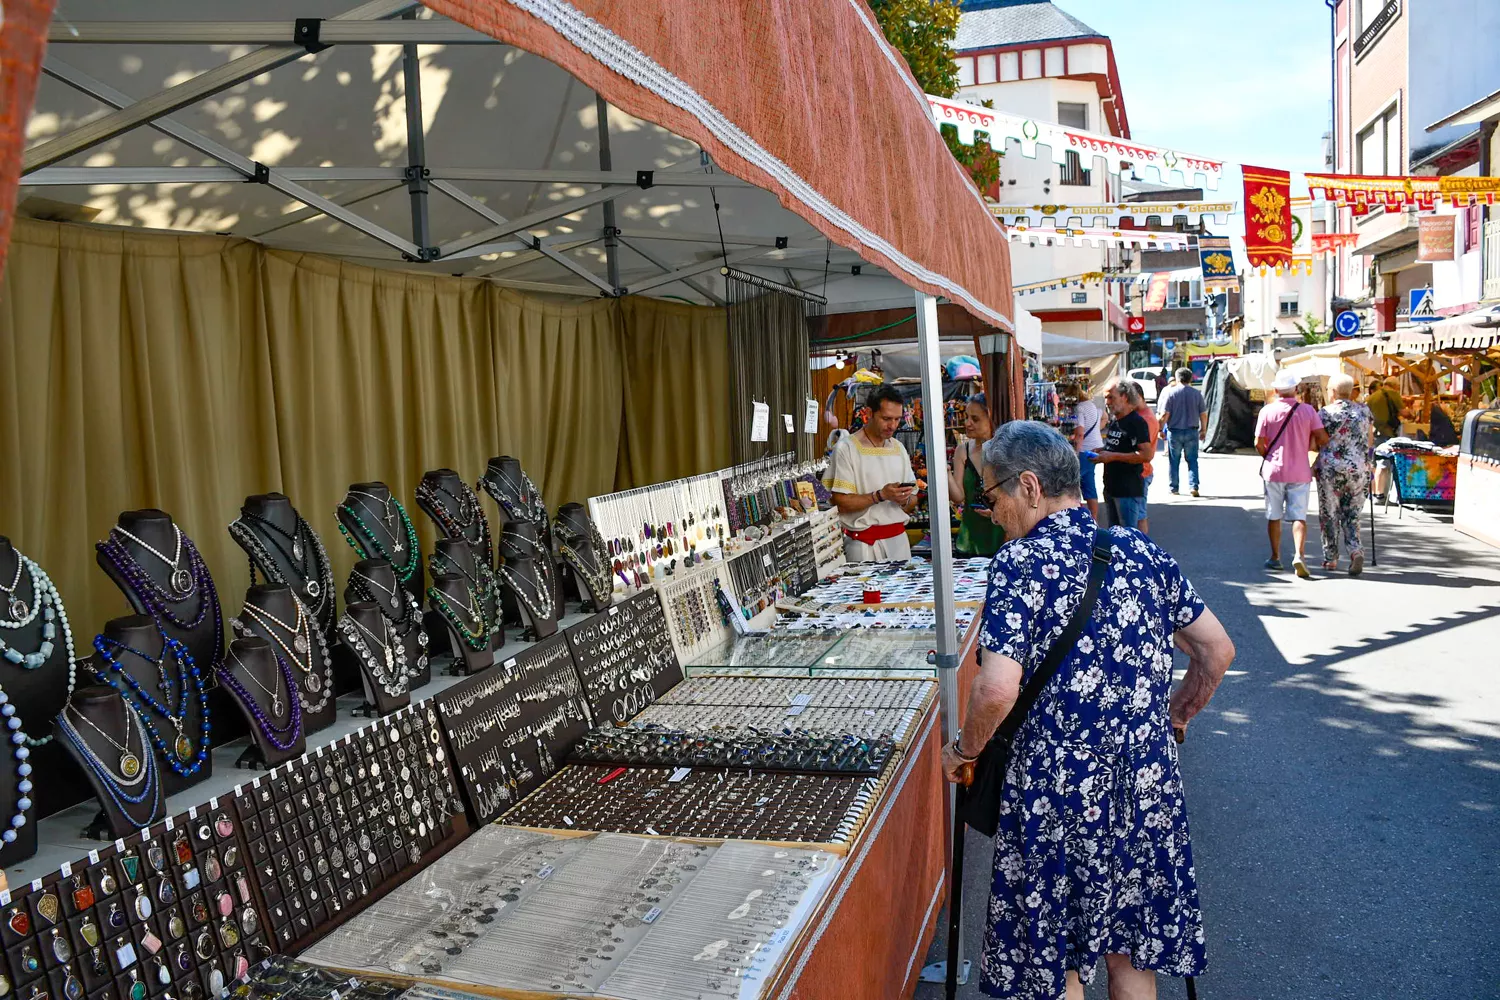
(474, 640)
(412, 559)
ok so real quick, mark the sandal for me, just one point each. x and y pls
(1330, 565)
(1356, 564)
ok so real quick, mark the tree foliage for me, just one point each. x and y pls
(1314, 331)
(923, 32)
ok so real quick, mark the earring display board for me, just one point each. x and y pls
(510, 727)
(774, 806)
(168, 911)
(695, 620)
(794, 555)
(338, 827)
(790, 750)
(523, 911)
(625, 658)
(828, 540)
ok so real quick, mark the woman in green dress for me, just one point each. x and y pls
(977, 535)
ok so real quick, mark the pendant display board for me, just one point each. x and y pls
(695, 619)
(165, 912)
(275, 613)
(793, 552)
(828, 540)
(743, 805)
(337, 828)
(283, 548)
(510, 727)
(625, 658)
(158, 569)
(756, 579)
(37, 677)
(167, 686)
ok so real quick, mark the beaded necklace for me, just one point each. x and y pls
(20, 754)
(108, 780)
(594, 569)
(156, 601)
(541, 610)
(455, 525)
(391, 674)
(48, 603)
(475, 638)
(403, 573)
(303, 640)
(282, 738)
(316, 580)
(530, 508)
(131, 690)
(403, 625)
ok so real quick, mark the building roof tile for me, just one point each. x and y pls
(988, 24)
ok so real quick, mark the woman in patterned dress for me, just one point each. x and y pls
(1092, 856)
(1343, 471)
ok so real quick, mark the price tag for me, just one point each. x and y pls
(119, 846)
(544, 871)
(614, 610)
(192, 812)
(66, 869)
(810, 417)
(36, 884)
(5, 898)
(170, 824)
(510, 664)
(93, 857)
(680, 773)
(789, 423)
(213, 803)
(651, 915)
(254, 782)
(760, 421)
(799, 704)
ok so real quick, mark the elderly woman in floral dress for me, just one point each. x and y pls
(1092, 855)
(1343, 472)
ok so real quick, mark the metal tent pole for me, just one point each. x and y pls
(946, 657)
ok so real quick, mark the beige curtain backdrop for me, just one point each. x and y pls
(187, 372)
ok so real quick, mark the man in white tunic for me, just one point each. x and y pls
(871, 479)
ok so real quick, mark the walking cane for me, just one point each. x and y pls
(1179, 733)
(956, 878)
(1374, 560)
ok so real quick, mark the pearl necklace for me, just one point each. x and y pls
(156, 601)
(543, 596)
(304, 637)
(392, 675)
(47, 602)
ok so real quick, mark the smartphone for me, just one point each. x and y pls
(908, 485)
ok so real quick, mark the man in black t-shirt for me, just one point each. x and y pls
(1127, 447)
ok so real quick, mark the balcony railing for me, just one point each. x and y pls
(1492, 260)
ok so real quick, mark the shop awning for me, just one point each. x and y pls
(1060, 350)
(471, 145)
(1028, 331)
(1479, 330)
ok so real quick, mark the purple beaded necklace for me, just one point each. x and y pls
(156, 600)
(273, 734)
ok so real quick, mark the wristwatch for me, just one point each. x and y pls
(958, 752)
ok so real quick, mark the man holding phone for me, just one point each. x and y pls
(870, 477)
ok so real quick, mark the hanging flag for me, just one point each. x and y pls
(1328, 244)
(1268, 217)
(1216, 256)
(1156, 294)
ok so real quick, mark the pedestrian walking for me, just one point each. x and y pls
(1285, 432)
(1148, 471)
(1089, 417)
(1343, 470)
(1186, 415)
(977, 534)
(1127, 449)
(1093, 858)
(1385, 405)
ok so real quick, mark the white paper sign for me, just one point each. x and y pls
(810, 417)
(760, 421)
(791, 425)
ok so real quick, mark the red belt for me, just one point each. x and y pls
(877, 532)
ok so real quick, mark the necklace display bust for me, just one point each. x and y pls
(376, 525)
(455, 556)
(455, 511)
(584, 556)
(273, 612)
(283, 548)
(532, 593)
(109, 741)
(374, 581)
(157, 567)
(510, 487)
(263, 684)
(521, 541)
(369, 636)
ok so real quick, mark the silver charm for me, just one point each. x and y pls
(182, 581)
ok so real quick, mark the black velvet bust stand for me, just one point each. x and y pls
(388, 533)
(522, 576)
(37, 694)
(574, 527)
(462, 598)
(378, 701)
(395, 609)
(315, 683)
(102, 706)
(446, 514)
(310, 577)
(456, 557)
(252, 663)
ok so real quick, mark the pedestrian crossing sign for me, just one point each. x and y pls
(1422, 305)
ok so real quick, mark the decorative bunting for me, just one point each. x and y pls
(1329, 244)
(1156, 294)
(1112, 216)
(1085, 280)
(1002, 128)
(1216, 256)
(1134, 238)
(1268, 217)
(1359, 193)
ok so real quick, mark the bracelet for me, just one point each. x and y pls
(961, 755)
(876, 495)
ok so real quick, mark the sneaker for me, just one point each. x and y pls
(1173, 490)
(1274, 564)
(1299, 566)
(1195, 491)
(1356, 564)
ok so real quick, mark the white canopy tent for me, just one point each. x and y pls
(1060, 350)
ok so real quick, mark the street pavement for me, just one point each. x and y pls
(1344, 784)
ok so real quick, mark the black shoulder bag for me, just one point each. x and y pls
(979, 802)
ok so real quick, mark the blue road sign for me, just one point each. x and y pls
(1422, 307)
(1346, 323)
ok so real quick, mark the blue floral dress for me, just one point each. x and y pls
(1092, 855)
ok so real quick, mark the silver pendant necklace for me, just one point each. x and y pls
(181, 579)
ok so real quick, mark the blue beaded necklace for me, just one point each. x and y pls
(107, 779)
(20, 752)
(178, 754)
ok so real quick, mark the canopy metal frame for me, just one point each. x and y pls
(380, 22)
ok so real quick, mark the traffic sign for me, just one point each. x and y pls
(1422, 307)
(1346, 323)
(1136, 324)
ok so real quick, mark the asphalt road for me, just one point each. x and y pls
(1344, 784)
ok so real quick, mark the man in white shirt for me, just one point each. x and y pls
(1090, 418)
(872, 483)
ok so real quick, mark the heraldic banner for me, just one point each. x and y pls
(1216, 255)
(1268, 217)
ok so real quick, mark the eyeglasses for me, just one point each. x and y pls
(984, 494)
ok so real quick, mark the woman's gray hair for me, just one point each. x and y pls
(1028, 446)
